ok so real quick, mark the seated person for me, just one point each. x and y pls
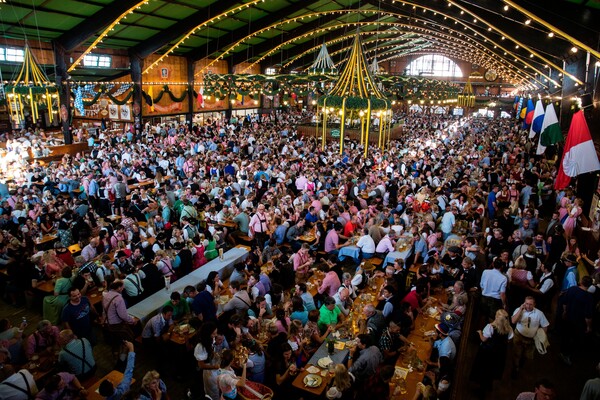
(43, 339)
(76, 355)
(62, 386)
(330, 315)
(181, 309)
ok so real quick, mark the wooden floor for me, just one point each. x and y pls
(569, 381)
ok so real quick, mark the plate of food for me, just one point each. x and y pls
(324, 362)
(312, 380)
(313, 370)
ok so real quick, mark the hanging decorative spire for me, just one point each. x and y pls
(323, 64)
(356, 79)
(467, 98)
(30, 86)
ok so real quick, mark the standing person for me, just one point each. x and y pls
(493, 290)
(528, 320)
(577, 311)
(492, 203)
(208, 359)
(77, 315)
(227, 381)
(448, 222)
(491, 356)
(118, 321)
(364, 358)
(259, 225)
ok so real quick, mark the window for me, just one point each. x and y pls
(12, 54)
(270, 71)
(96, 61)
(434, 65)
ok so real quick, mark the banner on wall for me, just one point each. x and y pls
(125, 112)
(113, 111)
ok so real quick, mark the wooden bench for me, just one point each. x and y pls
(376, 262)
(244, 239)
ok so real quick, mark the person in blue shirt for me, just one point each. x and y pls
(492, 204)
(107, 390)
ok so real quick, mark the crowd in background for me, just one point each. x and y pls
(477, 209)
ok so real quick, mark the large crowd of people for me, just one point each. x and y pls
(466, 195)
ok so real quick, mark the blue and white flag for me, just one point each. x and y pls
(538, 120)
(79, 100)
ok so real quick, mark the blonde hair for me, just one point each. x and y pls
(501, 324)
(520, 263)
(149, 377)
(341, 379)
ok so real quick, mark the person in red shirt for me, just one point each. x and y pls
(351, 226)
(415, 299)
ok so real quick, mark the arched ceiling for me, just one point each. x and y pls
(526, 42)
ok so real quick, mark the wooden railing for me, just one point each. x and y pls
(351, 134)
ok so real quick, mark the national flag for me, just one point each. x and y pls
(528, 114)
(516, 103)
(579, 155)
(151, 95)
(551, 132)
(523, 112)
(538, 120)
(79, 100)
(200, 98)
(519, 107)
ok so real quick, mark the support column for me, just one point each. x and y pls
(229, 110)
(64, 92)
(136, 65)
(190, 78)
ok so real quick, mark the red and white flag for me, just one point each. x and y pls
(579, 155)
(200, 98)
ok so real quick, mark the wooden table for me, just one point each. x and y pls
(46, 239)
(179, 337)
(307, 238)
(94, 295)
(42, 367)
(423, 347)
(140, 184)
(350, 324)
(316, 391)
(114, 377)
(228, 224)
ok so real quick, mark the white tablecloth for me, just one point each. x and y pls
(147, 307)
(391, 257)
(349, 251)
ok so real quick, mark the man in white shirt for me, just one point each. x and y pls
(493, 290)
(366, 244)
(386, 244)
(448, 221)
(528, 320)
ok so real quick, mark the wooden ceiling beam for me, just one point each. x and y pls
(90, 27)
(161, 39)
(217, 44)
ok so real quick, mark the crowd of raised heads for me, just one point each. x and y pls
(467, 200)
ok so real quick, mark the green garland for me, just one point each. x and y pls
(24, 90)
(355, 103)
